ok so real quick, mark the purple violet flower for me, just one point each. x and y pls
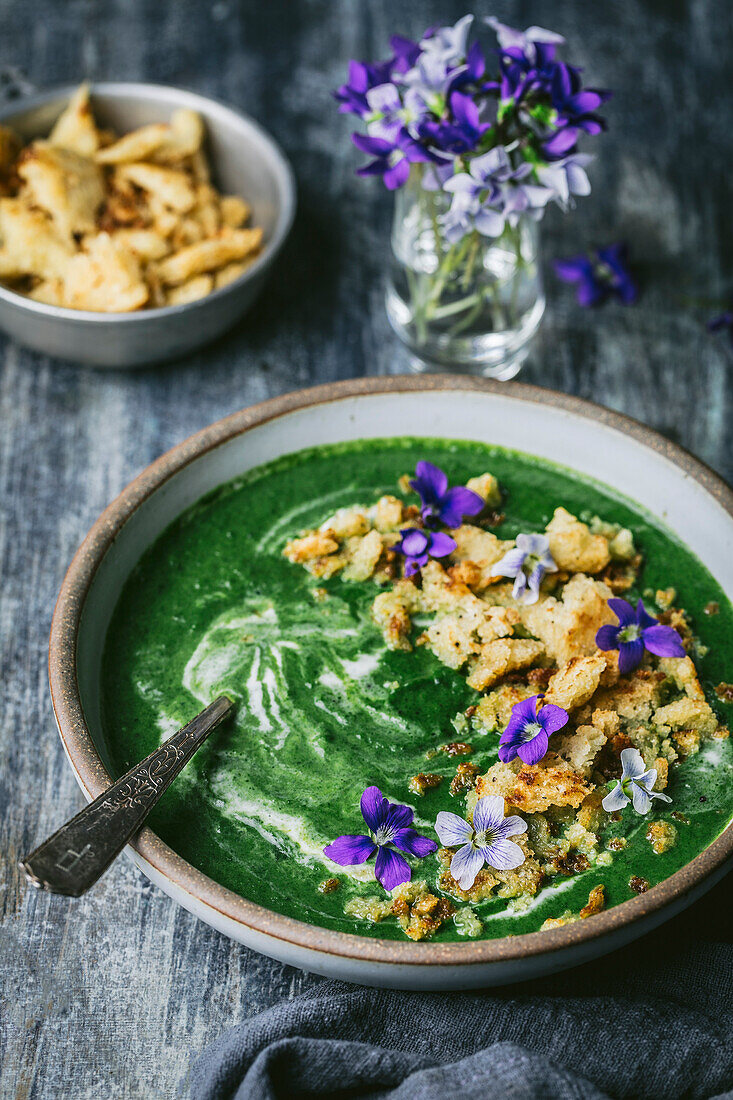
(490, 194)
(448, 43)
(528, 731)
(460, 135)
(527, 563)
(485, 841)
(471, 73)
(352, 96)
(637, 631)
(635, 785)
(389, 825)
(721, 322)
(439, 503)
(525, 42)
(600, 275)
(385, 119)
(566, 177)
(391, 160)
(406, 53)
(575, 105)
(418, 546)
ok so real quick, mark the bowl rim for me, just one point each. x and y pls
(176, 97)
(186, 879)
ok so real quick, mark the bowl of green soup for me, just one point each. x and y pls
(479, 640)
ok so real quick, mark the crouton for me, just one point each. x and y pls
(481, 548)
(573, 547)
(552, 782)
(487, 488)
(574, 684)
(596, 902)
(387, 514)
(501, 656)
(580, 748)
(567, 627)
(363, 555)
(314, 545)
(687, 713)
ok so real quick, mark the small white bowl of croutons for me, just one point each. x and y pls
(137, 222)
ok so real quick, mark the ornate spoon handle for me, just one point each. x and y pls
(72, 860)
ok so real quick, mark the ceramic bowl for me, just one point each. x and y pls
(245, 161)
(634, 460)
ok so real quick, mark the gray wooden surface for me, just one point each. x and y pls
(109, 996)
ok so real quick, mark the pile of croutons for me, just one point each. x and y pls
(93, 221)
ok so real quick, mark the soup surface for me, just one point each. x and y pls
(325, 708)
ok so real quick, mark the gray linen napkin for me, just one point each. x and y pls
(654, 1020)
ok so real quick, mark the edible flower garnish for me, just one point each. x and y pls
(439, 503)
(527, 563)
(389, 826)
(637, 631)
(418, 546)
(486, 841)
(528, 731)
(635, 785)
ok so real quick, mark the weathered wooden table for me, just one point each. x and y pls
(110, 995)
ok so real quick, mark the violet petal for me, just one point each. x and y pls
(511, 826)
(510, 564)
(409, 840)
(398, 816)
(452, 829)
(432, 481)
(663, 641)
(374, 808)
(641, 798)
(552, 718)
(457, 503)
(391, 869)
(630, 655)
(531, 752)
(414, 542)
(615, 800)
(348, 850)
(607, 637)
(643, 618)
(488, 813)
(507, 749)
(623, 611)
(522, 713)
(465, 865)
(504, 855)
(441, 545)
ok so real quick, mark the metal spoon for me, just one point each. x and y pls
(72, 860)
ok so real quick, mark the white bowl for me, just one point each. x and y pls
(244, 160)
(634, 460)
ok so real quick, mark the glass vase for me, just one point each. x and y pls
(472, 305)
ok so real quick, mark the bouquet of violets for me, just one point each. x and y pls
(475, 146)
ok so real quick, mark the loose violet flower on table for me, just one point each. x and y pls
(390, 827)
(485, 841)
(476, 144)
(528, 731)
(635, 785)
(418, 546)
(637, 631)
(439, 504)
(528, 563)
(722, 323)
(601, 275)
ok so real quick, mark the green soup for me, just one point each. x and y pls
(324, 709)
